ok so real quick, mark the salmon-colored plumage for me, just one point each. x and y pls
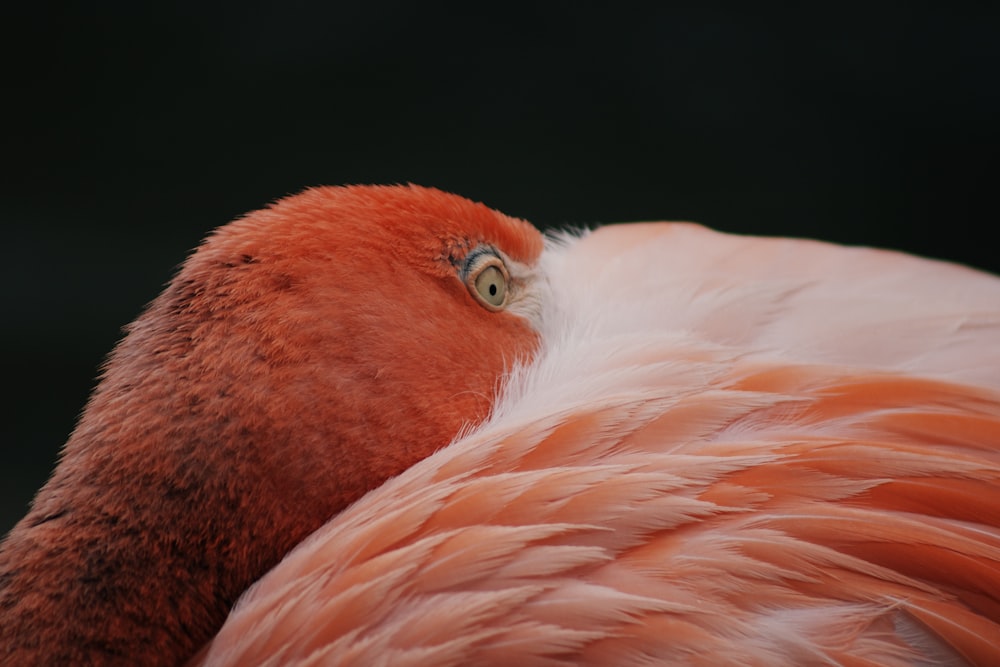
(705, 449)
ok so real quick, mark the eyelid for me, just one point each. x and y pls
(478, 257)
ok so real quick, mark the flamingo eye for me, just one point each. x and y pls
(488, 280)
(491, 285)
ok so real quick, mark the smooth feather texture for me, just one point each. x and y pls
(729, 450)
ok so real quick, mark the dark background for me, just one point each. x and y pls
(129, 132)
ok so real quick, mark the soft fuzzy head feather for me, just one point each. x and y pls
(303, 355)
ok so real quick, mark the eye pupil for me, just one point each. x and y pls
(493, 289)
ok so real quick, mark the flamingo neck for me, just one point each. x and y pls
(172, 498)
(112, 565)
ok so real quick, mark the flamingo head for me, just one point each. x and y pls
(300, 357)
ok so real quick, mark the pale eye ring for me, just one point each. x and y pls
(488, 281)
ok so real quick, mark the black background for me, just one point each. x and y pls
(132, 129)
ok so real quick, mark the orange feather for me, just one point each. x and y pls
(678, 447)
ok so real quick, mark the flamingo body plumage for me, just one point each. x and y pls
(730, 450)
(707, 449)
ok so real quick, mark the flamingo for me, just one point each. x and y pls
(388, 425)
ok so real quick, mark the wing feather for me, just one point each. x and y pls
(731, 451)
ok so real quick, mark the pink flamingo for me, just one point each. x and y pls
(650, 444)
